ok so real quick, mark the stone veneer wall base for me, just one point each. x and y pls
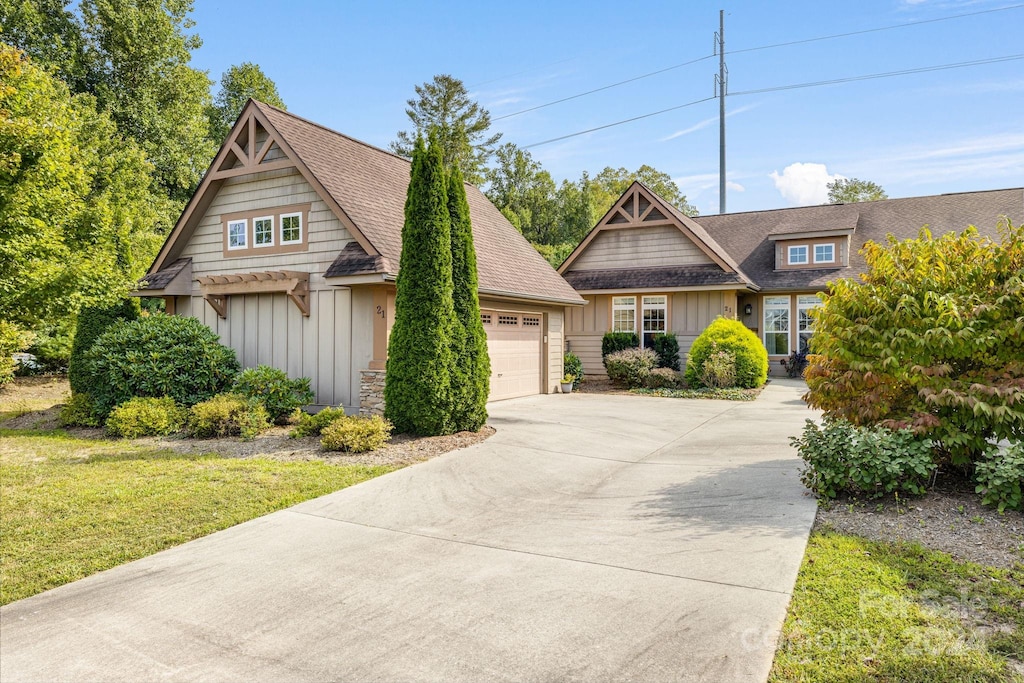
(371, 392)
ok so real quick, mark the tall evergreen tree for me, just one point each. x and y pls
(471, 369)
(417, 391)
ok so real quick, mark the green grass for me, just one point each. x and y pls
(71, 507)
(733, 394)
(870, 611)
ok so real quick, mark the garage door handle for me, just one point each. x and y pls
(500, 374)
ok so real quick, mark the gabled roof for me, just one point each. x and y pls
(748, 236)
(641, 207)
(366, 187)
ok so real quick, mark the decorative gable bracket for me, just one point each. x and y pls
(244, 155)
(217, 288)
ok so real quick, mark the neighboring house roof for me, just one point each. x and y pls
(747, 236)
(366, 188)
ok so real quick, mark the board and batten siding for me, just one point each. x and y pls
(654, 246)
(688, 314)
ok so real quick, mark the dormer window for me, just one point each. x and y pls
(825, 253)
(798, 255)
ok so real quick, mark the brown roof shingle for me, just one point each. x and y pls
(370, 185)
(648, 278)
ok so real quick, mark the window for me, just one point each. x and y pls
(237, 234)
(798, 255)
(291, 228)
(805, 303)
(531, 321)
(776, 325)
(655, 316)
(508, 319)
(624, 314)
(263, 231)
(824, 253)
(485, 318)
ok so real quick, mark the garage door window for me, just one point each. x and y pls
(508, 320)
(531, 321)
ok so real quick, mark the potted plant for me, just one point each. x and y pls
(567, 383)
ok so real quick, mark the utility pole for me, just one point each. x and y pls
(721, 81)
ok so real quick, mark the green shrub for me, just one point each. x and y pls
(667, 348)
(228, 415)
(271, 387)
(91, 323)
(146, 417)
(729, 335)
(313, 425)
(719, 370)
(612, 342)
(663, 378)
(12, 340)
(356, 434)
(573, 366)
(843, 458)
(795, 364)
(80, 411)
(159, 355)
(631, 366)
(1000, 477)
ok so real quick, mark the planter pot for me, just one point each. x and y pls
(567, 387)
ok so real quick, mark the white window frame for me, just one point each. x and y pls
(619, 303)
(832, 252)
(804, 322)
(256, 244)
(656, 302)
(245, 234)
(297, 214)
(793, 248)
(777, 303)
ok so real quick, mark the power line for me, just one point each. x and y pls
(874, 30)
(887, 74)
(750, 49)
(794, 86)
(604, 87)
(618, 123)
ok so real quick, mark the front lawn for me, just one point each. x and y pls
(875, 611)
(70, 507)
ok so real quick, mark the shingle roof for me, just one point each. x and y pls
(164, 276)
(649, 278)
(744, 235)
(370, 185)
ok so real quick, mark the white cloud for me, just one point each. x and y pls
(803, 184)
(730, 185)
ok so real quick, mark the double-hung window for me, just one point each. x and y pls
(238, 234)
(798, 255)
(263, 231)
(655, 317)
(805, 303)
(776, 325)
(624, 314)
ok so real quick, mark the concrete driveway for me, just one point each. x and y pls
(592, 538)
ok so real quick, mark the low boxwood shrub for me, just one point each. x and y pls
(719, 370)
(356, 434)
(618, 341)
(667, 347)
(729, 335)
(313, 425)
(79, 411)
(631, 366)
(872, 461)
(1000, 477)
(573, 366)
(663, 378)
(159, 355)
(228, 415)
(271, 387)
(146, 417)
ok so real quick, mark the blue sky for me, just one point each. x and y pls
(351, 66)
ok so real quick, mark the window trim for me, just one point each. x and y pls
(631, 307)
(302, 228)
(257, 245)
(789, 255)
(644, 307)
(244, 222)
(802, 306)
(275, 213)
(765, 307)
(832, 248)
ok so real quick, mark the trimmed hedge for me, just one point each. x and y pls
(93, 322)
(618, 341)
(667, 347)
(159, 355)
(725, 334)
(271, 387)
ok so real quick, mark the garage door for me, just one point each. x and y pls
(514, 344)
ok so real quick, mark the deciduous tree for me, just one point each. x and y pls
(851, 190)
(237, 85)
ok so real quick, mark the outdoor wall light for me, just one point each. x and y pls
(748, 309)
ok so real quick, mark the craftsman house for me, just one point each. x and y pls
(290, 247)
(648, 268)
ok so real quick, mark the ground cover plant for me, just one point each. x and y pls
(70, 507)
(875, 611)
(730, 394)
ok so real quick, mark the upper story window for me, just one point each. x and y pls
(798, 255)
(624, 314)
(825, 253)
(278, 230)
